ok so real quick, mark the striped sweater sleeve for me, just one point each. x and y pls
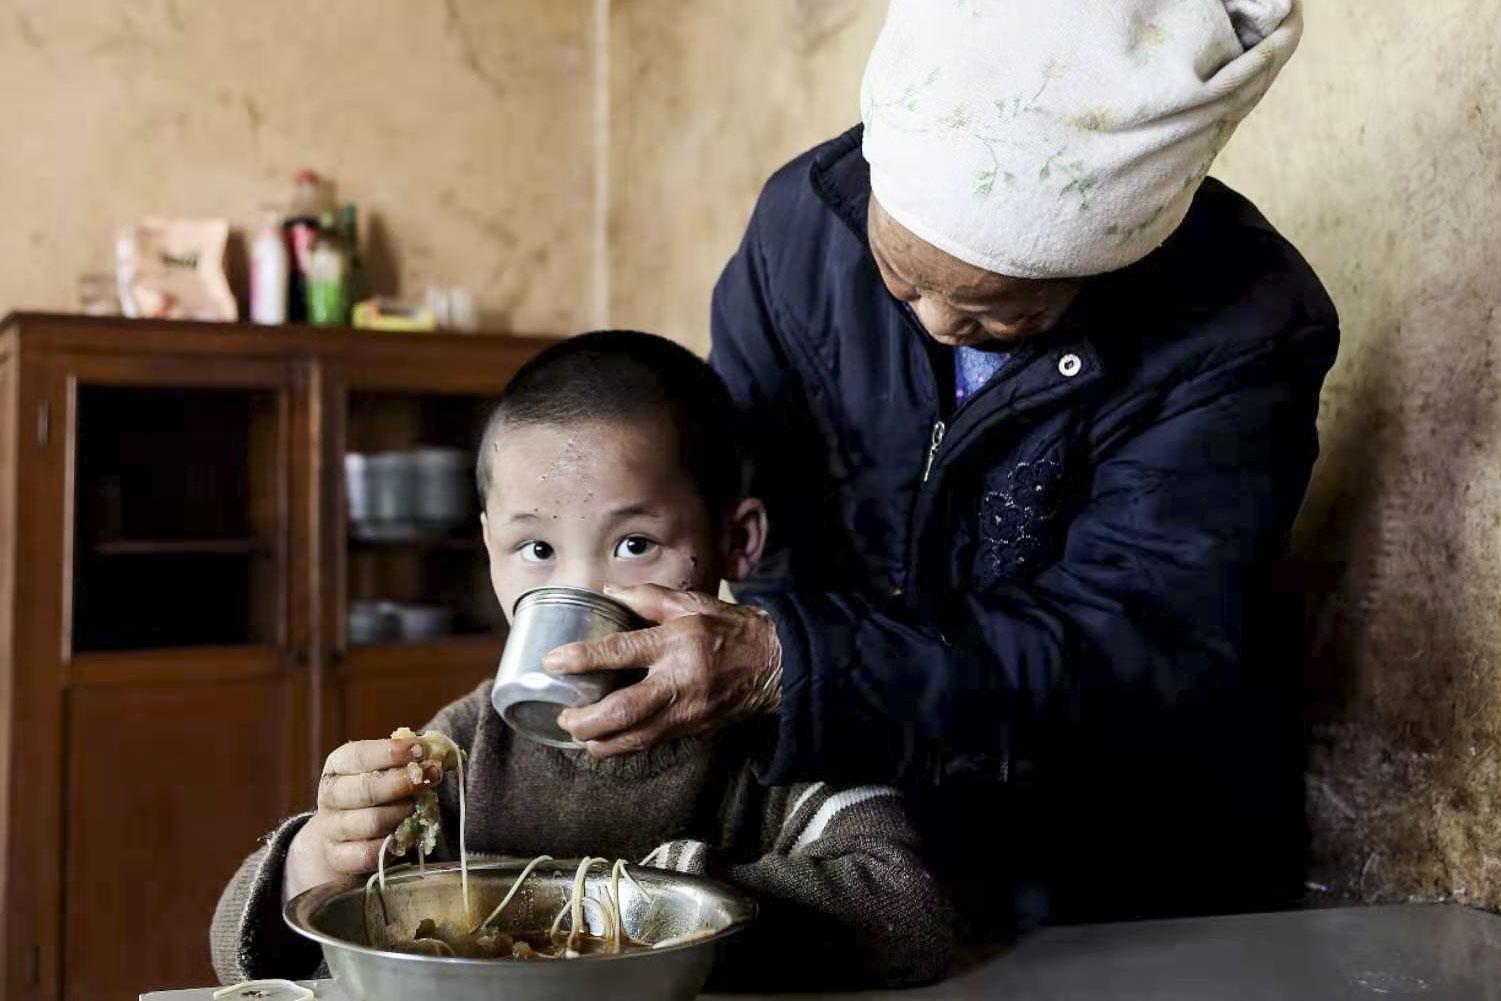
(837, 874)
(247, 937)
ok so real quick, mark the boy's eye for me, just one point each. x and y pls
(633, 547)
(536, 552)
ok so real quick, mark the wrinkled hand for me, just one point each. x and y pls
(365, 793)
(708, 663)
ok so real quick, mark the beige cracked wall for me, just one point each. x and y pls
(1379, 154)
(463, 125)
(707, 98)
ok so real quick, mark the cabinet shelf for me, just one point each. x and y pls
(175, 547)
(444, 543)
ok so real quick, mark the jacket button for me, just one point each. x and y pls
(1070, 365)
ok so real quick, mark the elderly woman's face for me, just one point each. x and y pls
(959, 304)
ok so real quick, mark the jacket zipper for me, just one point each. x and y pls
(939, 430)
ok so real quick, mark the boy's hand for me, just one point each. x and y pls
(708, 664)
(364, 794)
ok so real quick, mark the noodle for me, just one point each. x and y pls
(463, 854)
(577, 916)
(420, 831)
(380, 862)
(483, 941)
(615, 873)
(512, 893)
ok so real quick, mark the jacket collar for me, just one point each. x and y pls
(841, 179)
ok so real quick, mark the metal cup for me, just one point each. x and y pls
(545, 618)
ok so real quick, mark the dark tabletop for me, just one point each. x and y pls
(1410, 951)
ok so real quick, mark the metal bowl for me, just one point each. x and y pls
(333, 915)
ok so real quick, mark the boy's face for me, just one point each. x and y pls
(605, 502)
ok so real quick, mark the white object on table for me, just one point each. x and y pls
(321, 990)
(265, 990)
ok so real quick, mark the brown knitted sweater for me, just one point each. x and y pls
(836, 870)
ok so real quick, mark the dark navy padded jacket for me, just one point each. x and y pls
(1048, 613)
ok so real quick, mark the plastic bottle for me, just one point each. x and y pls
(125, 273)
(357, 284)
(270, 272)
(328, 278)
(310, 202)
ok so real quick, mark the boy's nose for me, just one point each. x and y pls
(580, 574)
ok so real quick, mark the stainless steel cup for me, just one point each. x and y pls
(545, 618)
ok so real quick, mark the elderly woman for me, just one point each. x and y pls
(1036, 409)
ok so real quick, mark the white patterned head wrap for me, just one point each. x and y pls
(1060, 138)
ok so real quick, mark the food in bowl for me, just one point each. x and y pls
(420, 830)
(486, 939)
(483, 939)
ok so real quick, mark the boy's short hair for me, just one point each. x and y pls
(621, 375)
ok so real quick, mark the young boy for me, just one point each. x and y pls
(611, 460)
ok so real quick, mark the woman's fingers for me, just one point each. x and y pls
(632, 741)
(366, 789)
(360, 756)
(616, 652)
(640, 648)
(619, 711)
(364, 825)
(656, 603)
(704, 669)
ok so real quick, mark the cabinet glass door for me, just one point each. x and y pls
(415, 560)
(178, 517)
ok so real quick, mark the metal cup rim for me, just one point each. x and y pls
(616, 611)
(556, 692)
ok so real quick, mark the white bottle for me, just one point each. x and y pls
(269, 272)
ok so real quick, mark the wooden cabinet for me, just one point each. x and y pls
(179, 575)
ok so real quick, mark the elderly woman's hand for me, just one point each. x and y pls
(708, 663)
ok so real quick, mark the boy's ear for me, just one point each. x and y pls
(744, 539)
(484, 530)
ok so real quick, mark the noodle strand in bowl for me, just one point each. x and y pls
(463, 855)
(420, 831)
(485, 941)
(511, 894)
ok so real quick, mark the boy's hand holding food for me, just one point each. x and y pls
(365, 793)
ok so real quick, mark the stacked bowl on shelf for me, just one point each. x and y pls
(408, 495)
(393, 621)
(405, 496)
